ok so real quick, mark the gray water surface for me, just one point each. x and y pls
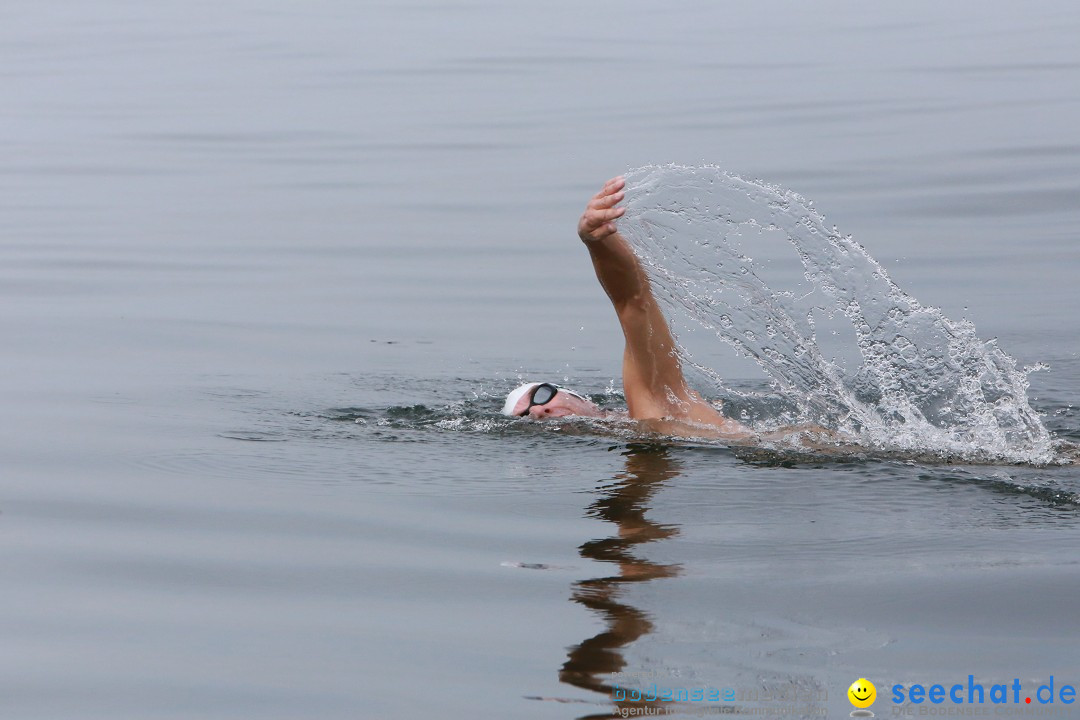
(267, 270)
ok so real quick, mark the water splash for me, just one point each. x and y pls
(919, 381)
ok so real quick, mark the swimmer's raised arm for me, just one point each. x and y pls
(652, 374)
(617, 268)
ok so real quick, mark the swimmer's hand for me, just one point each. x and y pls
(598, 221)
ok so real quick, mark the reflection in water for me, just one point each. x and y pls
(623, 503)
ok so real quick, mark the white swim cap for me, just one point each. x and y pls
(523, 390)
(515, 395)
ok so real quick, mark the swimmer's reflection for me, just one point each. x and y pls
(624, 503)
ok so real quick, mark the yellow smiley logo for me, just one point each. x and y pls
(862, 693)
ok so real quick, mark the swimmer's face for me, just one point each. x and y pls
(564, 404)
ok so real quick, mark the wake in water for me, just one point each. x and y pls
(915, 380)
(475, 427)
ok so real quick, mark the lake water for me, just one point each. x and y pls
(268, 269)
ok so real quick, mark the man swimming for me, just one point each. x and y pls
(656, 390)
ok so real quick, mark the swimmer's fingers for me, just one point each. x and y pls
(605, 214)
(606, 201)
(595, 218)
(611, 186)
(596, 223)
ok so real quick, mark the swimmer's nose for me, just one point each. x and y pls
(540, 411)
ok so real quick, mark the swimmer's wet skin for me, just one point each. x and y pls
(656, 390)
(544, 400)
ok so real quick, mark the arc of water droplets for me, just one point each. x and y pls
(925, 383)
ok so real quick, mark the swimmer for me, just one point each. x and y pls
(656, 391)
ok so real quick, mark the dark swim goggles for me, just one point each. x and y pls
(542, 394)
